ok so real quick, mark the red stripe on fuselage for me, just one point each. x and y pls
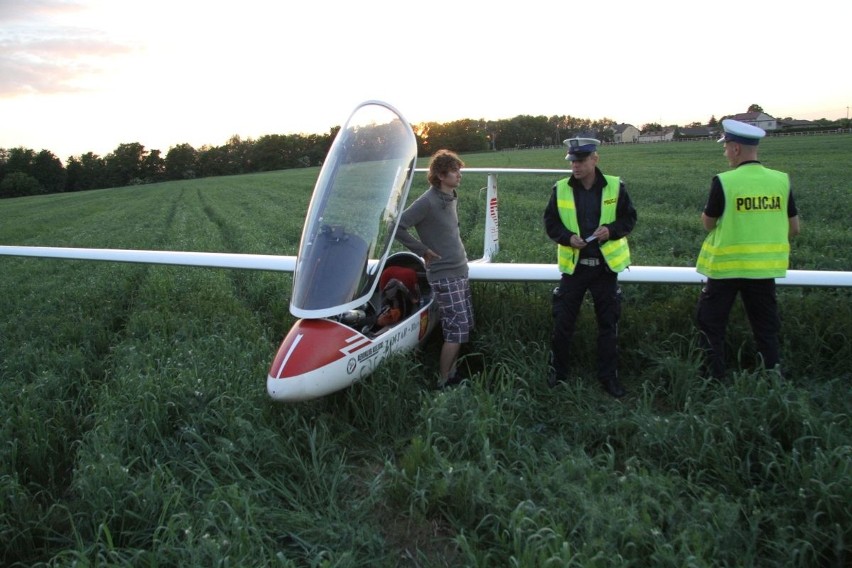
(312, 344)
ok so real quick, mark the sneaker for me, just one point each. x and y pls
(452, 380)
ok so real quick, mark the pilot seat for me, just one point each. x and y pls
(400, 294)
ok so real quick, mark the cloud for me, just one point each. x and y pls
(40, 55)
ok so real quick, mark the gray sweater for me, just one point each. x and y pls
(435, 217)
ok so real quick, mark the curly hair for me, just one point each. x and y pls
(442, 162)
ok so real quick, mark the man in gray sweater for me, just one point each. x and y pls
(434, 215)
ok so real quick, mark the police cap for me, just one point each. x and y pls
(579, 148)
(741, 132)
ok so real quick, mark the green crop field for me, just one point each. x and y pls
(136, 429)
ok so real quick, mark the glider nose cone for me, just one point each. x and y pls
(310, 362)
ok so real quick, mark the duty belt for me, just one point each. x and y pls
(589, 261)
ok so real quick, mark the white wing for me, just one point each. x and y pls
(512, 272)
(179, 258)
(483, 271)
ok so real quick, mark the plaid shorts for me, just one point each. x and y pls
(456, 307)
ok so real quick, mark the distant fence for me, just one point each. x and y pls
(812, 132)
(770, 134)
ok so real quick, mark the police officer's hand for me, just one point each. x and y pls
(602, 233)
(577, 242)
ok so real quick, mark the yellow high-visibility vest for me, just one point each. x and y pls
(751, 238)
(616, 252)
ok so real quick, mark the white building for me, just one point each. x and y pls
(625, 133)
(665, 135)
(759, 119)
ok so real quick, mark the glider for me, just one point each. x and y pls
(358, 304)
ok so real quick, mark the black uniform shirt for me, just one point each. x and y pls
(716, 201)
(588, 206)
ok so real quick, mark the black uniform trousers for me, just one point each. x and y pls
(714, 308)
(567, 299)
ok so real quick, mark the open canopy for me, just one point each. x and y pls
(354, 211)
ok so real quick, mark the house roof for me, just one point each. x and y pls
(747, 116)
(796, 122)
(752, 116)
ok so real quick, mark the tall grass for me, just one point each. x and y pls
(136, 430)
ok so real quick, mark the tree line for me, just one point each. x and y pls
(24, 171)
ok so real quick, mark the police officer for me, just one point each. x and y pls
(588, 215)
(751, 215)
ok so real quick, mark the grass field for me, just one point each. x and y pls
(136, 428)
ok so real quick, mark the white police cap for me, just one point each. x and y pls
(579, 148)
(741, 132)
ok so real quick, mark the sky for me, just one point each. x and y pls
(81, 76)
